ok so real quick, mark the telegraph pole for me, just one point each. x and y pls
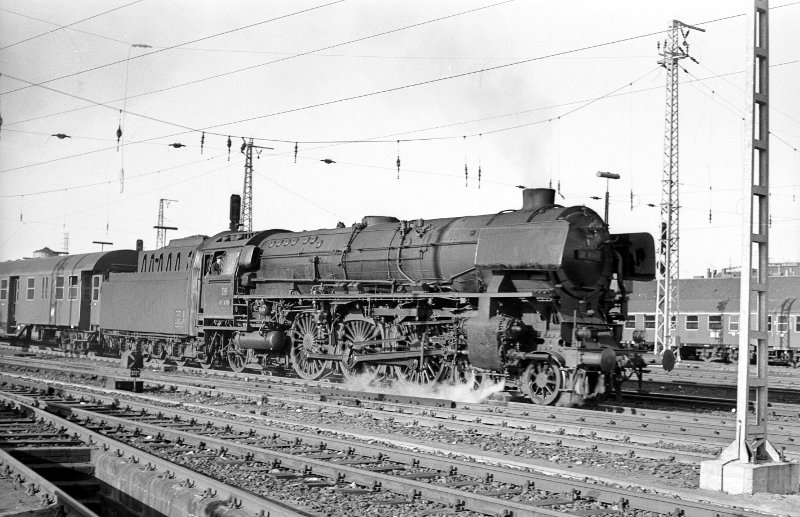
(673, 51)
(161, 234)
(247, 189)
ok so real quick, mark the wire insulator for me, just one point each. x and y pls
(398, 159)
(229, 147)
(202, 141)
(295, 152)
(480, 140)
(466, 170)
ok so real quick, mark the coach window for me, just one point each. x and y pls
(73, 287)
(733, 323)
(769, 323)
(797, 323)
(649, 321)
(31, 288)
(45, 287)
(95, 288)
(59, 288)
(782, 325)
(715, 322)
(692, 322)
(630, 322)
(3, 289)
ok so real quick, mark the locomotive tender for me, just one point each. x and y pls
(537, 295)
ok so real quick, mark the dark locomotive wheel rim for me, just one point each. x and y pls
(356, 331)
(428, 372)
(544, 382)
(237, 358)
(303, 331)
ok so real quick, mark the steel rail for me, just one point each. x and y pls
(51, 496)
(643, 501)
(250, 503)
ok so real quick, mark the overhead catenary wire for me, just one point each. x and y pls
(61, 27)
(164, 49)
(289, 141)
(374, 140)
(333, 46)
(296, 55)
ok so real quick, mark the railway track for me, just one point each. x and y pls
(350, 473)
(659, 435)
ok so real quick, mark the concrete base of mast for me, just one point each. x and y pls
(739, 477)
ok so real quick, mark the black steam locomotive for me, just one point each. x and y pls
(537, 295)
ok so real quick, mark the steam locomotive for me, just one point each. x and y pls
(537, 295)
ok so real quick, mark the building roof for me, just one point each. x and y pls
(707, 295)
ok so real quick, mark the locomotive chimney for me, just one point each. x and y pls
(536, 198)
(139, 244)
(236, 207)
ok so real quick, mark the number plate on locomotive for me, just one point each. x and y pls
(593, 255)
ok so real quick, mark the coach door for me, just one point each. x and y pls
(13, 285)
(94, 319)
(86, 300)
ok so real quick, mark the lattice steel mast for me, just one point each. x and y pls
(247, 189)
(667, 290)
(750, 463)
(161, 234)
(751, 444)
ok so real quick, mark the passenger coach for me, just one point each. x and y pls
(56, 300)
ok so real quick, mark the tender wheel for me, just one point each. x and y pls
(356, 331)
(707, 355)
(542, 382)
(304, 332)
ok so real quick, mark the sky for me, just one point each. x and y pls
(530, 93)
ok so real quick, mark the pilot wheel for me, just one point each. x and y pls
(543, 382)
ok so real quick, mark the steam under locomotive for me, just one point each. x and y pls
(537, 295)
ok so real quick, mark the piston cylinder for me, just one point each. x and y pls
(271, 341)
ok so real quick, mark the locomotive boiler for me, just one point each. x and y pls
(536, 295)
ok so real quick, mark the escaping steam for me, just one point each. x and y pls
(465, 391)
